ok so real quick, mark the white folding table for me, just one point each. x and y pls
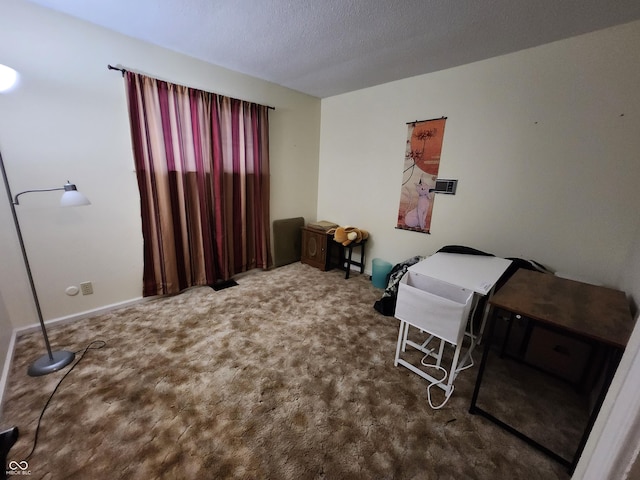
(440, 272)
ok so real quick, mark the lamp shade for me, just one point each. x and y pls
(8, 78)
(72, 197)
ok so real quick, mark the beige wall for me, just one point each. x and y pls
(68, 120)
(544, 143)
(630, 275)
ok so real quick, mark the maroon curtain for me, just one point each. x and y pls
(202, 163)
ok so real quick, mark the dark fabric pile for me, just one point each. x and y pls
(387, 304)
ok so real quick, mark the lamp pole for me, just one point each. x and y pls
(52, 361)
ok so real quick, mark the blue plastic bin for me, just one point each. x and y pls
(380, 273)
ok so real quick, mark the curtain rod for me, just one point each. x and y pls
(124, 70)
(419, 121)
(118, 69)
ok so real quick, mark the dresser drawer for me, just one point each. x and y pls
(558, 354)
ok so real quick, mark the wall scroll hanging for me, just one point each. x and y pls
(421, 164)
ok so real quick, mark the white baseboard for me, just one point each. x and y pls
(79, 316)
(18, 332)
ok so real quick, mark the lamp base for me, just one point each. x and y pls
(44, 365)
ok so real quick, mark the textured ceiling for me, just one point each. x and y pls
(328, 47)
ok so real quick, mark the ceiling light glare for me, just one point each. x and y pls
(8, 78)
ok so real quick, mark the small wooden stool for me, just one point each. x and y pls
(346, 261)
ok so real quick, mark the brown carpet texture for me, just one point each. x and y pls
(288, 375)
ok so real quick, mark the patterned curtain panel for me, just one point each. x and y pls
(202, 164)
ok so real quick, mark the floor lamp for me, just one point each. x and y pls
(52, 361)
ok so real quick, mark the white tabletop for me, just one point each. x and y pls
(474, 272)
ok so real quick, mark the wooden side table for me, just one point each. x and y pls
(321, 251)
(315, 248)
(597, 314)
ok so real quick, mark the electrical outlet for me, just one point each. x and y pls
(86, 288)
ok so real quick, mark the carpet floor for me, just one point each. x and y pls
(288, 375)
